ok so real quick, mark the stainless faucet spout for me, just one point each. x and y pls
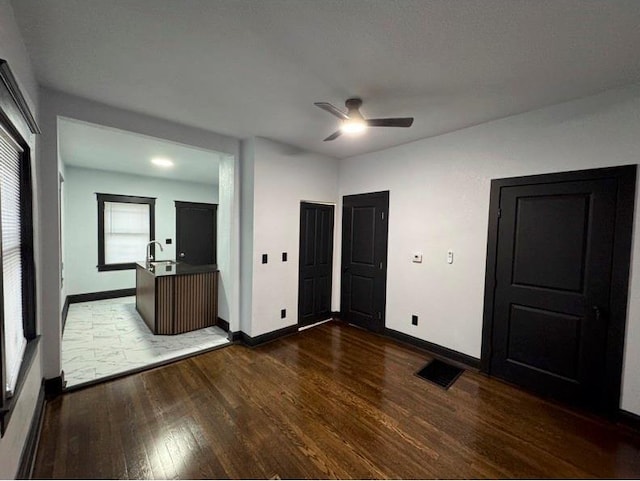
(149, 256)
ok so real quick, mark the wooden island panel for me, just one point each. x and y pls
(196, 301)
(165, 300)
(146, 296)
(179, 302)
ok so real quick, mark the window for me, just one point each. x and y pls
(14, 339)
(18, 338)
(16, 258)
(125, 227)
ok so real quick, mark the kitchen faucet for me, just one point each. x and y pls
(149, 256)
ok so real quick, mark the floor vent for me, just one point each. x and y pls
(440, 373)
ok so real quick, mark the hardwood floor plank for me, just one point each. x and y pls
(329, 402)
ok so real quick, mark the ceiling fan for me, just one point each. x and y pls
(353, 121)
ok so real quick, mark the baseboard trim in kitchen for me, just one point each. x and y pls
(65, 311)
(437, 351)
(222, 324)
(101, 296)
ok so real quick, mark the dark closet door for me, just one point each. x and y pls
(364, 259)
(316, 262)
(552, 305)
(196, 232)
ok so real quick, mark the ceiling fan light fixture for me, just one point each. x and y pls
(352, 122)
(355, 126)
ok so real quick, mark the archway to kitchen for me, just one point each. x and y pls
(129, 302)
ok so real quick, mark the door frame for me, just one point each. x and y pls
(384, 195)
(621, 265)
(333, 230)
(203, 205)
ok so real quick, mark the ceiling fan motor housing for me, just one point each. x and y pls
(353, 103)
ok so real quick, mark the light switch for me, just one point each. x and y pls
(417, 258)
(449, 256)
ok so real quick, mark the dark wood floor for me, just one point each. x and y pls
(329, 402)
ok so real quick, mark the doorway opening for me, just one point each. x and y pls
(130, 301)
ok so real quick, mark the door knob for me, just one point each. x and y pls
(596, 312)
(182, 254)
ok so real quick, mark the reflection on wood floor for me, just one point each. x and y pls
(329, 402)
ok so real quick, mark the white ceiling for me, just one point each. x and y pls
(249, 67)
(95, 147)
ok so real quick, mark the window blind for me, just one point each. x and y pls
(14, 339)
(126, 232)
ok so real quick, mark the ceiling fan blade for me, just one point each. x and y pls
(397, 122)
(334, 135)
(332, 110)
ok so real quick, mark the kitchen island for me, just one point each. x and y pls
(173, 298)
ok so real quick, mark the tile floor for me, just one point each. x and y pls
(103, 338)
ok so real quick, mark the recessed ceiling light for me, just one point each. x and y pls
(162, 162)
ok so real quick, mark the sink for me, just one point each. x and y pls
(162, 263)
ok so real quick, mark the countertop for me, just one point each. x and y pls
(177, 269)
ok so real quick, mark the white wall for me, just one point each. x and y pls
(63, 274)
(12, 50)
(283, 177)
(228, 238)
(57, 104)
(247, 168)
(439, 200)
(81, 220)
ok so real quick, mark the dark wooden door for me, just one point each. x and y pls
(196, 233)
(316, 263)
(553, 281)
(364, 259)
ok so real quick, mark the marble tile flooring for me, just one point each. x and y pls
(103, 338)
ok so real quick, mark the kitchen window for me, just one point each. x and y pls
(126, 224)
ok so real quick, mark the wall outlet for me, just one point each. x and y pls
(414, 320)
(264, 258)
(283, 313)
(284, 257)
